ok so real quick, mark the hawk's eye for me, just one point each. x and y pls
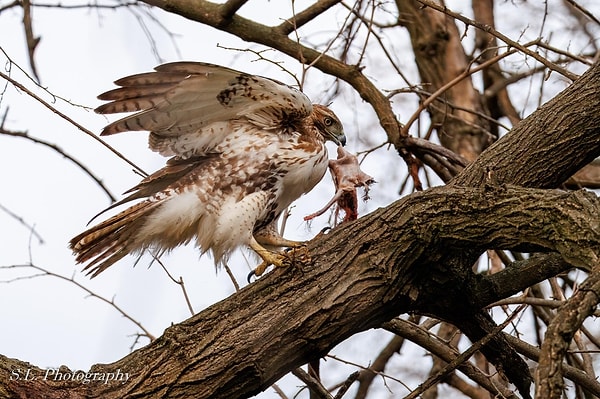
(328, 121)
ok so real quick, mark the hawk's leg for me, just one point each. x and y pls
(270, 238)
(269, 258)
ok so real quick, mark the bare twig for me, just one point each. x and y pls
(8, 6)
(346, 385)
(261, 57)
(366, 376)
(70, 120)
(236, 285)
(523, 48)
(379, 373)
(420, 335)
(463, 357)
(32, 40)
(94, 4)
(23, 222)
(451, 83)
(60, 151)
(583, 10)
(312, 383)
(45, 272)
(178, 282)
(305, 16)
(279, 391)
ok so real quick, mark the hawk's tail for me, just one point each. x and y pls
(109, 241)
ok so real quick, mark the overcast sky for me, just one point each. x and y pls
(48, 321)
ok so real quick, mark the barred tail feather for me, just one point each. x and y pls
(109, 241)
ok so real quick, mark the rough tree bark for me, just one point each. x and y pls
(361, 275)
(560, 332)
(392, 261)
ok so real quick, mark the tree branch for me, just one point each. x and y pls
(560, 332)
(363, 274)
(444, 351)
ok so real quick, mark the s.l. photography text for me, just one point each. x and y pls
(64, 374)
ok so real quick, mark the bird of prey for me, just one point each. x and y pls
(242, 148)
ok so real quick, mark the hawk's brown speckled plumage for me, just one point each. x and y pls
(243, 147)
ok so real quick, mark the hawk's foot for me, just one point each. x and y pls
(269, 258)
(291, 256)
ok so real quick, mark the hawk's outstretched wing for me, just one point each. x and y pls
(187, 105)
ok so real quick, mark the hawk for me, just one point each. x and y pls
(242, 148)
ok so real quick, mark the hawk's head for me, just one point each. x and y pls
(328, 124)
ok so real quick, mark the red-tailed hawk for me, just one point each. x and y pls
(243, 148)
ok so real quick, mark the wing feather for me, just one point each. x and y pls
(191, 101)
(174, 170)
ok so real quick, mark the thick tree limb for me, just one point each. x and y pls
(492, 288)
(549, 146)
(364, 274)
(588, 176)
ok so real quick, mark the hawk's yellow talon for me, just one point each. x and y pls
(296, 254)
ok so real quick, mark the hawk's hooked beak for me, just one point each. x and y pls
(337, 136)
